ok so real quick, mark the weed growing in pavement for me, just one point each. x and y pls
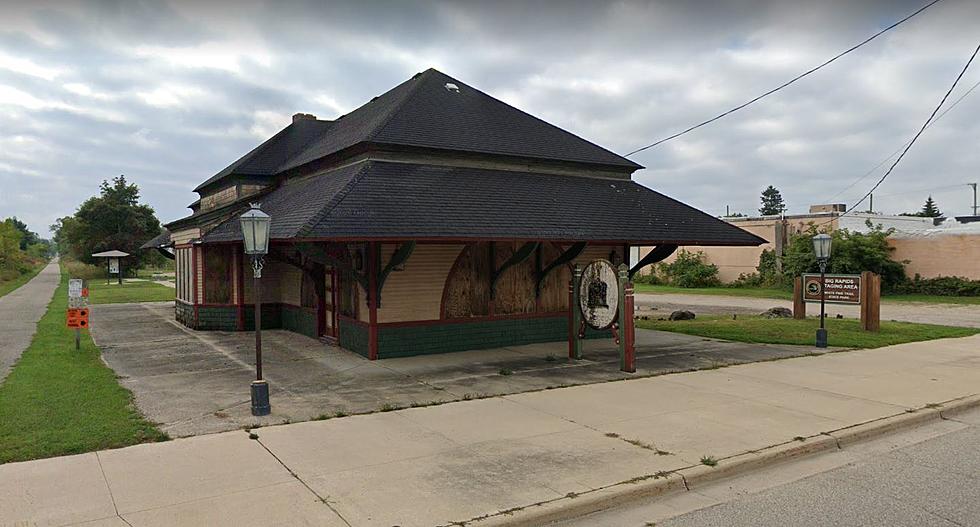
(612, 434)
(550, 358)
(388, 407)
(709, 461)
(340, 413)
(321, 417)
(505, 371)
(934, 405)
(799, 438)
(253, 435)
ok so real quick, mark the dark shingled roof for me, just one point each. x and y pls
(421, 112)
(265, 159)
(384, 200)
(160, 240)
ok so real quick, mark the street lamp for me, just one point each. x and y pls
(255, 234)
(821, 247)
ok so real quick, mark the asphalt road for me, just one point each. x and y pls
(945, 314)
(19, 312)
(926, 477)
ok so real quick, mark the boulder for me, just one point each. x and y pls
(682, 315)
(777, 312)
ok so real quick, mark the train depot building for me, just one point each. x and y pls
(432, 219)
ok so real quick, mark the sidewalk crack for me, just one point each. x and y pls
(108, 488)
(309, 488)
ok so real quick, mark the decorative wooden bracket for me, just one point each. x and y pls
(567, 256)
(304, 263)
(519, 256)
(658, 253)
(399, 257)
(320, 255)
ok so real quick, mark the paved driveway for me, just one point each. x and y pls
(194, 382)
(945, 314)
(19, 312)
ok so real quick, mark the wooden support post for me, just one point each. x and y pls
(870, 301)
(575, 315)
(799, 306)
(627, 335)
(372, 300)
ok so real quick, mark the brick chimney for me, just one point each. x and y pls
(303, 117)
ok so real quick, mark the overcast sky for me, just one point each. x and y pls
(170, 93)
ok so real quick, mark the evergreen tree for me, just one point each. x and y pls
(772, 202)
(930, 210)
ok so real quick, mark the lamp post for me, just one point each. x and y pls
(255, 234)
(821, 247)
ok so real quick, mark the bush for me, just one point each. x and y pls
(690, 270)
(852, 253)
(939, 286)
(649, 278)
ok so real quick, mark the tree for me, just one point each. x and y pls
(29, 238)
(852, 253)
(930, 210)
(113, 220)
(772, 202)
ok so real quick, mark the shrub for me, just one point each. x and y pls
(852, 253)
(940, 286)
(649, 278)
(690, 270)
(76, 269)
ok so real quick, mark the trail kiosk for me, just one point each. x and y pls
(113, 263)
(432, 219)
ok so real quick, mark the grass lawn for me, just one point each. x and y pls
(840, 332)
(10, 285)
(59, 401)
(113, 293)
(784, 294)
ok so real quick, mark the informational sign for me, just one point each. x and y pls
(599, 294)
(838, 288)
(77, 317)
(75, 286)
(113, 265)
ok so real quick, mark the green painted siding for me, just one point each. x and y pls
(184, 313)
(353, 337)
(299, 320)
(405, 341)
(224, 318)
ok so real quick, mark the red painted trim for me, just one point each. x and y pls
(571, 319)
(438, 240)
(629, 331)
(240, 258)
(444, 321)
(194, 282)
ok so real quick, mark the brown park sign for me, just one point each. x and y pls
(840, 288)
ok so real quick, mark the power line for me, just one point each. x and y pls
(917, 134)
(785, 84)
(899, 149)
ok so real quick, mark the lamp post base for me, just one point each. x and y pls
(260, 398)
(822, 338)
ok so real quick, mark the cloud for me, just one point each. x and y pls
(171, 93)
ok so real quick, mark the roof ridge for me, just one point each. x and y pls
(412, 91)
(334, 201)
(302, 148)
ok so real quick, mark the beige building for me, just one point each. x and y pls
(949, 247)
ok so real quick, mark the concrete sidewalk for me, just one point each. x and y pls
(965, 315)
(462, 461)
(19, 312)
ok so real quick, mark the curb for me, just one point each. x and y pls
(684, 479)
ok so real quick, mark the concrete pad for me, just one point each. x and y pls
(599, 404)
(325, 447)
(113, 521)
(472, 422)
(454, 485)
(54, 491)
(767, 424)
(288, 503)
(156, 475)
(688, 439)
(574, 461)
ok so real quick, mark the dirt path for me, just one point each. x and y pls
(19, 312)
(946, 314)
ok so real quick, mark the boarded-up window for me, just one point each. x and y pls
(467, 291)
(184, 273)
(217, 274)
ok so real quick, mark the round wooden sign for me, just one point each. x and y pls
(599, 294)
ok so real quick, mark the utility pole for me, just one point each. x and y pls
(871, 204)
(974, 185)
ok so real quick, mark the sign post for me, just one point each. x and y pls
(604, 301)
(847, 289)
(77, 316)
